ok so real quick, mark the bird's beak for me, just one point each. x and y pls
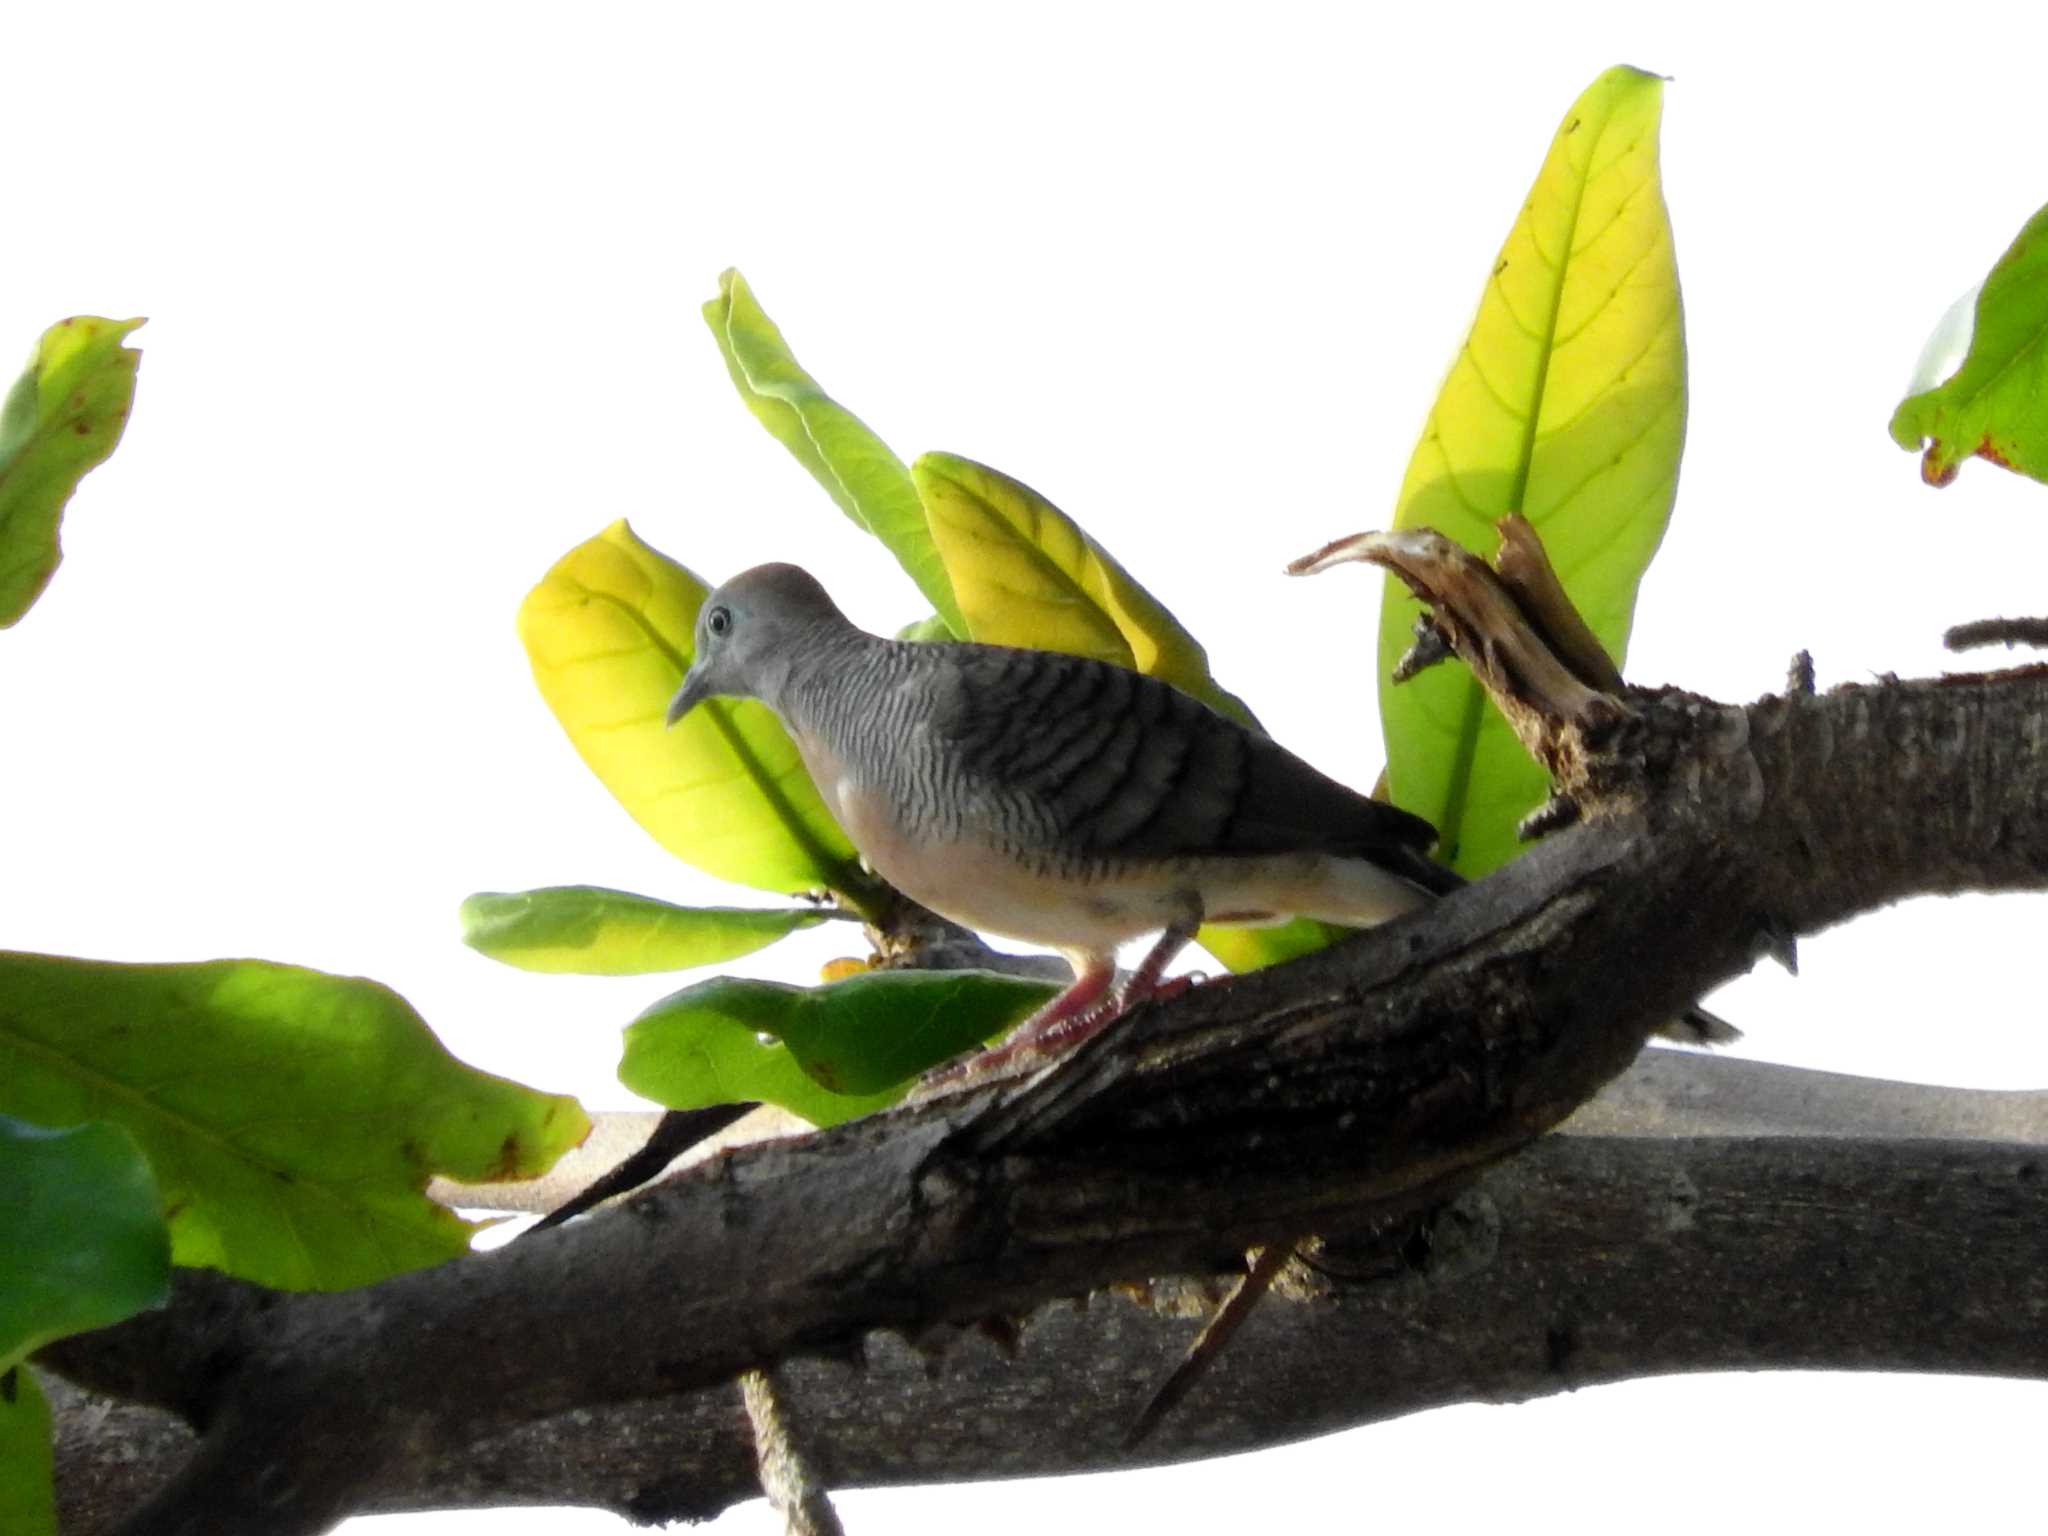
(693, 692)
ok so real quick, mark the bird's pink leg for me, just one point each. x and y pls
(1145, 982)
(1083, 1010)
(1077, 1008)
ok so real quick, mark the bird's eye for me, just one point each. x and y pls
(720, 621)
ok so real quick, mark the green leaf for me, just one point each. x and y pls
(86, 1243)
(590, 931)
(1996, 405)
(1028, 576)
(1566, 403)
(27, 1498)
(292, 1118)
(609, 632)
(836, 1051)
(85, 1246)
(61, 419)
(855, 466)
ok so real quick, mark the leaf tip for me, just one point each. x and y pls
(1628, 80)
(475, 913)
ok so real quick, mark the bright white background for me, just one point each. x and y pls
(424, 284)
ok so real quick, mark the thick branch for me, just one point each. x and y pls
(1610, 1251)
(1346, 1094)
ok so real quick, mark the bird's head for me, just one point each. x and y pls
(749, 631)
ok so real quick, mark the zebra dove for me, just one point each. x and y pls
(1056, 799)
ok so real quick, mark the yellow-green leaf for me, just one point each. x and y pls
(61, 418)
(1027, 575)
(1995, 406)
(1250, 949)
(609, 634)
(586, 930)
(856, 467)
(292, 1118)
(1567, 404)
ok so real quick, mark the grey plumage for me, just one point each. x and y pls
(1077, 768)
(1049, 797)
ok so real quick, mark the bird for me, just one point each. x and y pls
(1057, 799)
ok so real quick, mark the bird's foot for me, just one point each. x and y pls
(1170, 987)
(1039, 1040)
(1057, 1028)
(1061, 1024)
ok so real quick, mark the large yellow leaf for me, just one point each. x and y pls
(1567, 404)
(1025, 574)
(609, 633)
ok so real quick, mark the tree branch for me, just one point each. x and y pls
(1655, 1233)
(1352, 1094)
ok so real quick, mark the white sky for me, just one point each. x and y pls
(424, 285)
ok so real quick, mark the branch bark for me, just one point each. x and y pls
(1366, 1093)
(1698, 1215)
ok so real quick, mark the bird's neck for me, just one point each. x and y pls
(808, 685)
(828, 698)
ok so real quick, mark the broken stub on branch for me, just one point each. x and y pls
(1513, 626)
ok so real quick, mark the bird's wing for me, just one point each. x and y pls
(1098, 761)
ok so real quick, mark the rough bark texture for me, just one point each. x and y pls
(1694, 1217)
(1367, 1093)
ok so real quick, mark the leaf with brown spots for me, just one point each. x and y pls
(1994, 406)
(61, 419)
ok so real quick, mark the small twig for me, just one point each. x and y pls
(789, 1475)
(1515, 631)
(1262, 1269)
(675, 1133)
(2006, 632)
